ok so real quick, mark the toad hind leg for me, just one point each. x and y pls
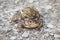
(20, 28)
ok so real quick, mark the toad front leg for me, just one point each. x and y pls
(16, 18)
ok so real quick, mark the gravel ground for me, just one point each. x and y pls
(49, 9)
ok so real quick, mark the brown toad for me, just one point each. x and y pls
(28, 18)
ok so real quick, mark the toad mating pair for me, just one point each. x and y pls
(28, 18)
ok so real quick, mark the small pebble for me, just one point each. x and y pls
(56, 35)
(13, 38)
(50, 26)
(30, 1)
(25, 34)
(48, 7)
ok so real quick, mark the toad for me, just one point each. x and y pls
(29, 18)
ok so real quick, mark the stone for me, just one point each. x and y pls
(50, 25)
(13, 38)
(48, 7)
(25, 34)
(30, 1)
(56, 35)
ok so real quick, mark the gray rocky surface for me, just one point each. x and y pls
(49, 9)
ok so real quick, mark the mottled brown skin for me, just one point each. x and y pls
(29, 18)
